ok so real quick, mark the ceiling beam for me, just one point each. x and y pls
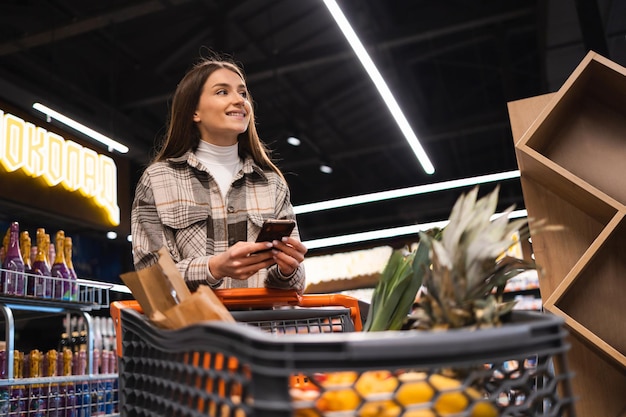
(85, 26)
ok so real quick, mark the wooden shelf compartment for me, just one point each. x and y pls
(557, 252)
(582, 128)
(592, 297)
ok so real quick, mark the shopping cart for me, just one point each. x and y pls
(293, 355)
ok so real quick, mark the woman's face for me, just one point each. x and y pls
(223, 110)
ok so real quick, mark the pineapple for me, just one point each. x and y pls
(457, 268)
(466, 264)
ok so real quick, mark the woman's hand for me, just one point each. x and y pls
(288, 254)
(242, 260)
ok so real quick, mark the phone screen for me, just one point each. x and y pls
(275, 230)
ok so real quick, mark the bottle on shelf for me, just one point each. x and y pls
(25, 250)
(82, 334)
(55, 404)
(74, 335)
(36, 399)
(12, 279)
(97, 333)
(113, 369)
(64, 342)
(33, 250)
(108, 383)
(59, 270)
(83, 393)
(68, 393)
(25, 246)
(97, 388)
(17, 405)
(42, 284)
(67, 249)
(51, 251)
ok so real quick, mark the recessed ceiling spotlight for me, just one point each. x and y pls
(326, 169)
(111, 235)
(293, 141)
(129, 238)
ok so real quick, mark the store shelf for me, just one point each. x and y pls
(570, 147)
(90, 394)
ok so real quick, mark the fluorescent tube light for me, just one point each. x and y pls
(380, 84)
(403, 192)
(387, 233)
(110, 143)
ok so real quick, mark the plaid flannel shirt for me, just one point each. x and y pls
(178, 205)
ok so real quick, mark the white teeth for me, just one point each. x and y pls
(237, 114)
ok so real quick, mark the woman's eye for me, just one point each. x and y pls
(220, 92)
(244, 94)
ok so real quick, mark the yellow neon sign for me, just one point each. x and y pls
(40, 153)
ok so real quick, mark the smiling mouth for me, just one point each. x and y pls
(236, 114)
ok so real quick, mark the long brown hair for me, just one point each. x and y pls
(182, 132)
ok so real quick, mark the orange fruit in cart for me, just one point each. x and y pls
(379, 409)
(340, 400)
(374, 382)
(484, 409)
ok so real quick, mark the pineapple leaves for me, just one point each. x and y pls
(468, 267)
(396, 290)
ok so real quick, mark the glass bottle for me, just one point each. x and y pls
(83, 393)
(67, 248)
(107, 360)
(52, 253)
(64, 342)
(25, 246)
(59, 269)
(36, 402)
(13, 265)
(50, 282)
(67, 388)
(17, 406)
(42, 284)
(55, 405)
(47, 249)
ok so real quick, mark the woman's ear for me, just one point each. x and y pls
(196, 117)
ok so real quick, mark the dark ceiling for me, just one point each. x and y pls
(452, 64)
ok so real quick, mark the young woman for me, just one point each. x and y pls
(211, 186)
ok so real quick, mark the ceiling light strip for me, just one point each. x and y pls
(380, 84)
(388, 233)
(108, 142)
(404, 192)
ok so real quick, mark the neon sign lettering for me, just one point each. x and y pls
(39, 153)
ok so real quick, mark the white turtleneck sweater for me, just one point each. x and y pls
(223, 163)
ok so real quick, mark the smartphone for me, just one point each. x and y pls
(275, 230)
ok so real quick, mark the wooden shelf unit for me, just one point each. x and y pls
(571, 150)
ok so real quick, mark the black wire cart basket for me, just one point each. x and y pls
(304, 356)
